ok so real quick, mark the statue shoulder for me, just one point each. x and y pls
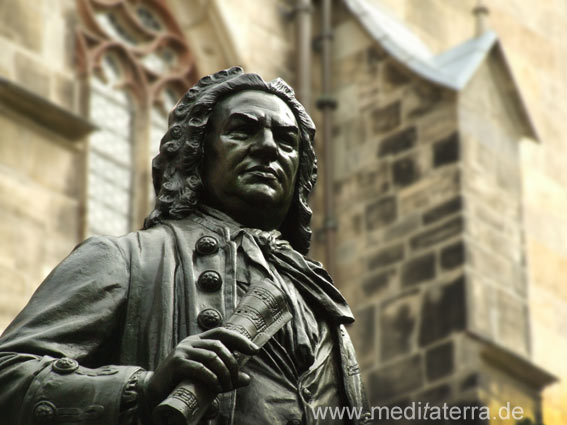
(166, 237)
(313, 263)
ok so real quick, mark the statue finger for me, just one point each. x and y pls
(215, 364)
(223, 353)
(197, 371)
(232, 339)
(243, 380)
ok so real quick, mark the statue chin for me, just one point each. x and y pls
(264, 195)
(259, 206)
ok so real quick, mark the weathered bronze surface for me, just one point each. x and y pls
(123, 321)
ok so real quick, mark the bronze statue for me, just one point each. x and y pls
(123, 321)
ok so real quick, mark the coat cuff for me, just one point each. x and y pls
(65, 392)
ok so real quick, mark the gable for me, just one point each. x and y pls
(492, 92)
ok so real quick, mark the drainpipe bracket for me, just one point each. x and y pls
(317, 42)
(291, 12)
(304, 8)
(326, 102)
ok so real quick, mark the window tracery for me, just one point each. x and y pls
(137, 64)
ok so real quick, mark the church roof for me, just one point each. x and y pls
(452, 69)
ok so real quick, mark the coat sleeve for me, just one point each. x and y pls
(56, 356)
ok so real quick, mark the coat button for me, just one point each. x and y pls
(207, 245)
(210, 281)
(306, 394)
(44, 412)
(209, 318)
(65, 366)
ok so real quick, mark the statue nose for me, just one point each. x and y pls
(265, 145)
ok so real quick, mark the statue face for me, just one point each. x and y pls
(251, 158)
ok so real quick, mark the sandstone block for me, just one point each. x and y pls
(446, 151)
(378, 282)
(443, 312)
(398, 322)
(381, 213)
(395, 379)
(23, 22)
(387, 118)
(386, 256)
(405, 171)
(452, 255)
(437, 234)
(32, 74)
(470, 381)
(394, 76)
(435, 396)
(441, 211)
(403, 227)
(398, 142)
(418, 269)
(439, 361)
(65, 92)
(437, 186)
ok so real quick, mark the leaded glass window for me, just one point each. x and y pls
(110, 154)
(116, 27)
(136, 59)
(148, 18)
(160, 61)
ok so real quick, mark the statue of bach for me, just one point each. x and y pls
(123, 321)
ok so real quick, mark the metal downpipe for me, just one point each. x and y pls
(302, 13)
(326, 103)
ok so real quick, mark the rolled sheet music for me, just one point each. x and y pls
(261, 313)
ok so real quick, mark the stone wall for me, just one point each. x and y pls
(430, 244)
(36, 39)
(258, 37)
(491, 129)
(40, 187)
(40, 161)
(533, 38)
(400, 223)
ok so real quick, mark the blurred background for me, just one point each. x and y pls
(441, 208)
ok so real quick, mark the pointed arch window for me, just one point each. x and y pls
(136, 65)
(109, 179)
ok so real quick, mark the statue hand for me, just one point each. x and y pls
(207, 358)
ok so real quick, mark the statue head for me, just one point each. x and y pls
(266, 185)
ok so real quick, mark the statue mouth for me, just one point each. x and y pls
(263, 171)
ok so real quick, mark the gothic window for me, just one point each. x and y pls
(110, 153)
(137, 64)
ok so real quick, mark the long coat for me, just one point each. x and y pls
(117, 304)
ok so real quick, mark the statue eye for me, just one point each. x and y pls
(287, 140)
(241, 132)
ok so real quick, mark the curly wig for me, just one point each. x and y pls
(176, 169)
